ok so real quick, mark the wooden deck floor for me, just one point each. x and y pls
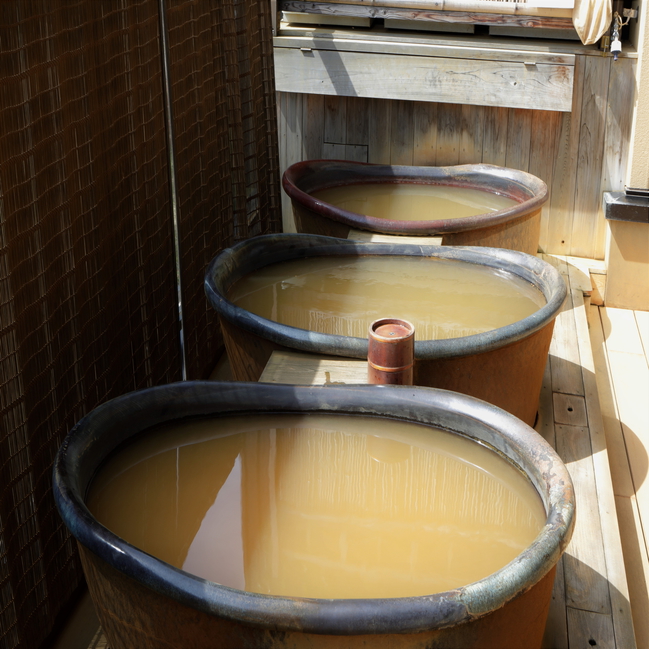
(595, 410)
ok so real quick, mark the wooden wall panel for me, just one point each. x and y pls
(587, 225)
(578, 154)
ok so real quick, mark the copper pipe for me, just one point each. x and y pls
(390, 352)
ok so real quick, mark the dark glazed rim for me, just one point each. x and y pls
(116, 421)
(233, 263)
(303, 178)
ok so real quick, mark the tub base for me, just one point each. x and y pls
(509, 377)
(135, 617)
(521, 234)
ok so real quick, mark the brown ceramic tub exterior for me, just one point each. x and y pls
(516, 228)
(504, 367)
(144, 603)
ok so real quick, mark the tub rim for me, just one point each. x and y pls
(112, 423)
(233, 263)
(528, 190)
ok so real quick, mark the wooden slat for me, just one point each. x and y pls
(544, 140)
(615, 568)
(310, 369)
(448, 136)
(335, 120)
(380, 128)
(519, 137)
(569, 409)
(425, 134)
(313, 127)
(418, 78)
(334, 151)
(586, 629)
(621, 331)
(432, 11)
(637, 566)
(618, 122)
(563, 183)
(642, 319)
(357, 122)
(402, 133)
(584, 561)
(564, 354)
(471, 134)
(617, 453)
(373, 237)
(588, 224)
(494, 139)
(556, 628)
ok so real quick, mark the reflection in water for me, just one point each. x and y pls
(319, 506)
(343, 295)
(414, 202)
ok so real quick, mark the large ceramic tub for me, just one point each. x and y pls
(504, 365)
(479, 205)
(147, 602)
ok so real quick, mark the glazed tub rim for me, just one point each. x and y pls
(480, 176)
(231, 264)
(116, 421)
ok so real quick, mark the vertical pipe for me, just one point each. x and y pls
(173, 187)
(391, 352)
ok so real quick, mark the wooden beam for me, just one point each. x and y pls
(516, 19)
(419, 78)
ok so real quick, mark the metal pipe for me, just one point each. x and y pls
(173, 185)
(391, 352)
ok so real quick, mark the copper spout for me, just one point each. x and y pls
(390, 352)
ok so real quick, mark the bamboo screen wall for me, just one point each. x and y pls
(88, 305)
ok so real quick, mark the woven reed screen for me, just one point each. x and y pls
(88, 304)
(226, 145)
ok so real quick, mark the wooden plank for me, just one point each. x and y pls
(564, 354)
(434, 11)
(621, 331)
(310, 369)
(556, 628)
(619, 117)
(599, 288)
(471, 134)
(417, 78)
(494, 139)
(579, 276)
(563, 183)
(448, 144)
(588, 222)
(637, 566)
(630, 377)
(519, 137)
(584, 561)
(545, 420)
(333, 151)
(380, 120)
(616, 447)
(425, 133)
(373, 237)
(627, 256)
(544, 142)
(335, 120)
(615, 568)
(586, 629)
(284, 133)
(569, 409)
(642, 320)
(358, 125)
(313, 126)
(477, 47)
(402, 133)
(355, 153)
